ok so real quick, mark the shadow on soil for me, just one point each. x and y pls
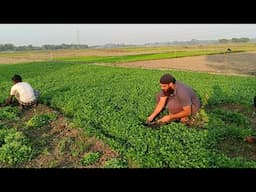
(239, 63)
(238, 120)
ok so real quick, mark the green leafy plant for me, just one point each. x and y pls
(231, 117)
(15, 147)
(90, 158)
(115, 163)
(9, 113)
(38, 121)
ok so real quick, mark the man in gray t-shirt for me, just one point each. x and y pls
(180, 100)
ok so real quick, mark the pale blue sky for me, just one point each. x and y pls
(99, 34)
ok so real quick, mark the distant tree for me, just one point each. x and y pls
(223, 41)
(244, 39)
(11, 47)
(240, 40)
(194, 41)
(235, 40)
(7, 47)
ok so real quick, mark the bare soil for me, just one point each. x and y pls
(237, 148)
(231, 63)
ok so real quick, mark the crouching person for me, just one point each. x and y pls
(24, 94)
(181, 101)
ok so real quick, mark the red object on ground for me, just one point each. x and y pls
(250, 139)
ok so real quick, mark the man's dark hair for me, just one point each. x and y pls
(167, 78)
(17, 78)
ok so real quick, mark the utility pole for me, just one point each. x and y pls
(77, 38)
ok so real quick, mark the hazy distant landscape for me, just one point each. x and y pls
(11, 47)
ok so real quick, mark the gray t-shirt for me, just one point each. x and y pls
(182, 96)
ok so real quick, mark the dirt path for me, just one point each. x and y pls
(232, 63)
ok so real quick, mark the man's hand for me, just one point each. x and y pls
(149, 119)
(155, 124)
(165, 119)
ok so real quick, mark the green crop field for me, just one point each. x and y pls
(142, 57)
(110, 102)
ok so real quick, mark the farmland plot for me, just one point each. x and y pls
(110, 102)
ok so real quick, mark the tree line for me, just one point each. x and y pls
(11, 47)
(235, 40)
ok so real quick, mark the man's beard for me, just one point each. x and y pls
(169, 91)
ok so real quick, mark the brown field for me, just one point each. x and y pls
(232, 63)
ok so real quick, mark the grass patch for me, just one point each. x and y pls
(90, 158)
